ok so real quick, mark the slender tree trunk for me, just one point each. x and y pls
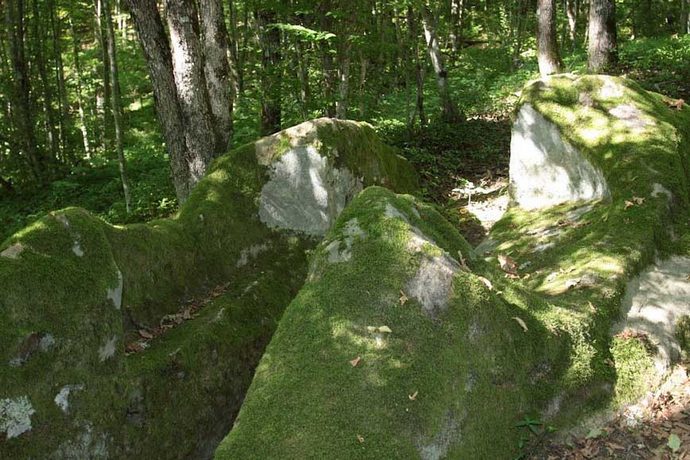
(116, 104)
(154, 42)
(60, 76)
(571, 8)
(233, 55)
(602, 51)
(190, 82)
(103, 100)
(24, 117)
(547, 45)
(684, 27)
(449, 112)
(363, 66)
(303, 77)
(418, 69)
(49, 120)
(271, 72)
(80, 105)
(328, 80)
(343, 81)
(217, 70)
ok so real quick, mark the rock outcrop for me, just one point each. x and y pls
(75, 291)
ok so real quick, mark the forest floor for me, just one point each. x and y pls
(658, 428)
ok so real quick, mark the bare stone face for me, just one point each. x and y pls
(305, 193)
(546, 169)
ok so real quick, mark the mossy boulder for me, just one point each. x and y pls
(74, 290)
(398, 346)
(621, 205)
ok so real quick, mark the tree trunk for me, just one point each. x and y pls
(271, 72)
(80, 104)
(418, 69)
(190, 82)
(363, 65)
(449, 112)
(217, 70)
(547, 46)
(684, 27)
(602, 51)
(116, 103)
(303, 77)
(328, 84)
(60, 76)
(103, 100)
(571, 8)
(154, 42)
(24, 117)
(341, 106)
(49, 120)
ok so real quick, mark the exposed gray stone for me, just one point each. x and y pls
(77, 250)
(107, 350)
(13, 251)
(305, 192)
(610, 89)
(115, 294)
(15, 416)
(545, 169)
(653, 303)
(438, 448)
(62, 398)
(631, 116)
(432, 284)
(251, 253)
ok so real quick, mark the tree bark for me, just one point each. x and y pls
(60, 76)
(449, 113)
(684, 27)
(602, 51)
(341, 105)
(571, 8)
(190, 82)
(217, 70)
(49, 113)
(547, 45)
(271, 72)
(80, 103)
(23, 108)
(154, 42)
(116, 104)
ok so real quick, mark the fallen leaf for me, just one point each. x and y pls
(145, 334)
(385, 329)
(629, 204)
(413, 396)
(488, 284)
(676, 103)
(507, 264)
(356, 361)
(360, 438)
(403, 298)
(521, 323)
(673, 442)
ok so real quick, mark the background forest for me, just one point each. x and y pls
(79, 123)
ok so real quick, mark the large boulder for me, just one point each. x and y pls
(398, 346)
(75, 292)
(405, 344)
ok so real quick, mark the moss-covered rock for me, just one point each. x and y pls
(74, 290)
(579, 255)
(397, 347)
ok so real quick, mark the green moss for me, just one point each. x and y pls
(634, 368)
(64, 282)
(308, 400)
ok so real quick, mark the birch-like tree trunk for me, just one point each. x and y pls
(571, 9)
(116, 104)
(449, 112)
(80, 103)
(341, 105)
